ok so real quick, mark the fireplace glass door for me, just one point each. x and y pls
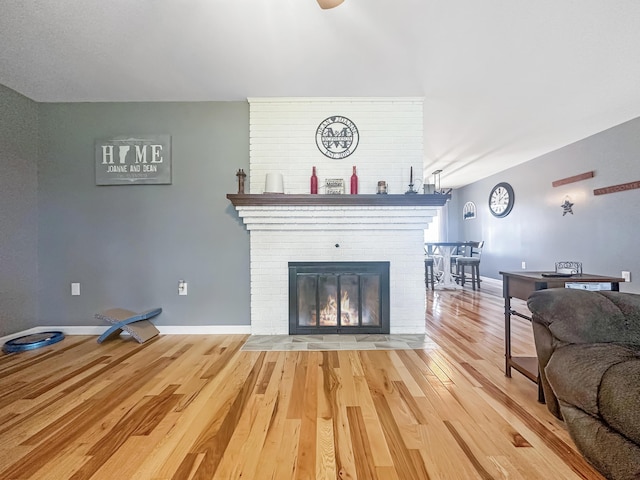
(339, 297)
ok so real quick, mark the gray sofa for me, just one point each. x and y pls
(588, 346)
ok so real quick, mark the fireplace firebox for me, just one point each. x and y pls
(338, 297)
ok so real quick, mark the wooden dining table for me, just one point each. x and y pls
(441, 253)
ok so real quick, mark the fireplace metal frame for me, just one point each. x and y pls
(340, 268)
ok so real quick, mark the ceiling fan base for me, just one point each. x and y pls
(327, 4)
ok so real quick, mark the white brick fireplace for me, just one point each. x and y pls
(282, 139)
(330, 234)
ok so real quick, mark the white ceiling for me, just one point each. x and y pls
(503, 81)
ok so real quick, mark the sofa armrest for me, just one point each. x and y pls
(580, 316)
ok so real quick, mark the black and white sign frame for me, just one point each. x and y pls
(140, 160)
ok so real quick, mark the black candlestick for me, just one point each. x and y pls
(411, 190)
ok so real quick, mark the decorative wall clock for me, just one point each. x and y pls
(501, 200)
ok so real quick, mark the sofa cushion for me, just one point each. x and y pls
(619, 398)
(575, 373)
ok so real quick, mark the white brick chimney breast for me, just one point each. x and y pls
(282, 140)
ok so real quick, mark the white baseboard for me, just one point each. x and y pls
(496, 282)
(164, 330)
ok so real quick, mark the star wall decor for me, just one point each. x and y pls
(567, 206)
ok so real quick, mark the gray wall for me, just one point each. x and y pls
(18, 212)
(128, 246)
(603, 231)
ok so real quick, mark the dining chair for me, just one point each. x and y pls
(428, 272)
(470, 259)
(455, 255)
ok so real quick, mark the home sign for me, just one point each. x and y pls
(133, 160)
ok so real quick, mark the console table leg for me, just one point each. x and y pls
(507, 332)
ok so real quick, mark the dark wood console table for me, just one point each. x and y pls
(522, 284)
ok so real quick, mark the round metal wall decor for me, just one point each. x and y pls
(501, 200)
(337, 137)
(33, 341)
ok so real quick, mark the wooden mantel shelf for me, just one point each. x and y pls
(284, 200)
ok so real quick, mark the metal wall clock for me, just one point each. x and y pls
(501, 200)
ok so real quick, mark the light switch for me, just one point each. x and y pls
(75, 289)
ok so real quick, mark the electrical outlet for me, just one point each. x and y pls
(182, 287)
(626, 275)
(524, 265)
(75, 289)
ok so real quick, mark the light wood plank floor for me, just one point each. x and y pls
(196, 407)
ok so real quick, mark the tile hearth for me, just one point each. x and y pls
(337, 342)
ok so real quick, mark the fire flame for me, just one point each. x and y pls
(329, 313)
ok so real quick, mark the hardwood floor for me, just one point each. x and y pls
(196, 407)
